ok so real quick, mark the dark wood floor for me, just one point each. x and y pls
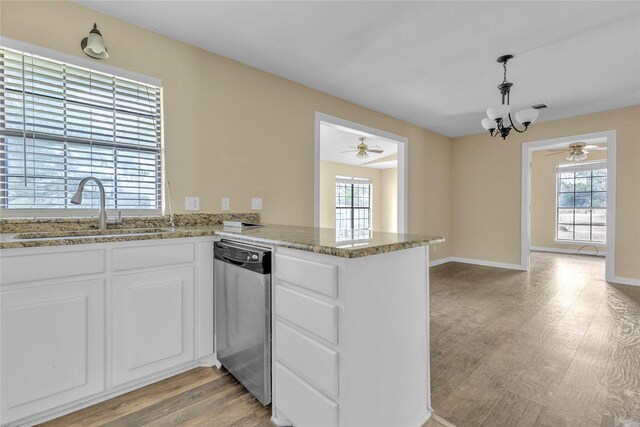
(556, 346)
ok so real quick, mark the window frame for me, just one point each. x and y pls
(353, 181)
(118, 73)
(596, 165)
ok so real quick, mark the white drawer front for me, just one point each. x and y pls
(317, 362)
(153, 256)
(315, 276)
(301, 402)
(29, 268)
(317, 317)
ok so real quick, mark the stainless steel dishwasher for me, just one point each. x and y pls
(243, 314)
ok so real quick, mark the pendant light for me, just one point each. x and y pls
(499, 121)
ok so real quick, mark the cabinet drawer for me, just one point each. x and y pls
(301, 403)
(316, 362)
(317, 317)
(44, 266)
(153, 256)
(315, 276)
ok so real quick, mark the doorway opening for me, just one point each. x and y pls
(360, 179)
(568, 197)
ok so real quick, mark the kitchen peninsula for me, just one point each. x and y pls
(349, 317)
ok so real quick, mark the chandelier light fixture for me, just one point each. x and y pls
(499, 121)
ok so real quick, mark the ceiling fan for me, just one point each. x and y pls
(363, 149)
(577, 151)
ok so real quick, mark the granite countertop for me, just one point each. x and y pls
(319, 240)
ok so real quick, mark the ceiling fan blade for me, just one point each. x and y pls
(349, 151)
(596, 148)
(558, 151)
(369, 150)
(554, 154)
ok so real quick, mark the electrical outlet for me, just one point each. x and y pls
(226, 204)
(256, 203)
(192, 203)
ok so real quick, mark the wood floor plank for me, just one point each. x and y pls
(136, 400)
(514, 410)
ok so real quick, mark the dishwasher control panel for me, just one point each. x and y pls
(238, 253)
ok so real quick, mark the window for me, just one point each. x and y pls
(582, 202)
(60, 123)
(353, 207)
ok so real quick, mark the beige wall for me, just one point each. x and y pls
(543, 200)
(389, 196)
(379, 196)
(485, 180)
(234, 131)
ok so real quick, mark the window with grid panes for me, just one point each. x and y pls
(60, 123)
(353, 206)
(582, 202)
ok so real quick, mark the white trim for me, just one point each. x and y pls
(439, 262)
(579, 243)
(566, 251)
(624, 281)
(487, 263)
(78, 60)
(525, 209)
(441, 420)
(403, 164)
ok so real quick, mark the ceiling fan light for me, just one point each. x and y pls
(571, 157)
(581, 156)
(498, 112)
(488, 124)
(528, 116)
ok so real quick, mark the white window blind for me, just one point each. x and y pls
(60, 123)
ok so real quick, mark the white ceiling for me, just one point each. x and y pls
(429, 63)
(334, 140)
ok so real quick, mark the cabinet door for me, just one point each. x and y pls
(53, 345)
(153, 322)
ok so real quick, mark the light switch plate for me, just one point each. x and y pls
(226, 204)
(256, 203)
(192, 203)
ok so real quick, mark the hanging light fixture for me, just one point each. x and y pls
(577, 152)
(93, 45)
(499, 121)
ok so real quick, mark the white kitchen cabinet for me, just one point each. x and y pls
(83, 323)
(351, 340)
(153, 322)
(53, 345)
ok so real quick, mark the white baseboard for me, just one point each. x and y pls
(281, 422)
(487, 263)
(565, 251)
(424, 418)
(439, 261)
(625, 281)
(441, 421)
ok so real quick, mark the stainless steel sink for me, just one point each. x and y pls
(116, 232)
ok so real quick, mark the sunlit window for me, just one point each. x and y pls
(582, 202)
(60, 123)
